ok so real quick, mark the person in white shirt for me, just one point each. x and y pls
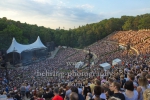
(79, 90)
(130, 93)
(143, 85)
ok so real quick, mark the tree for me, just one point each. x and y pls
(144, 23)
(78, 37)
(128, 24)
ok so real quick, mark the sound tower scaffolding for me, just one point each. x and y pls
(50, 46)
(88, 57)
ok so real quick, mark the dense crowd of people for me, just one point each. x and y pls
(127, 81)
(137, 39)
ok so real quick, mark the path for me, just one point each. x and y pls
(125, 46)
(53, 53)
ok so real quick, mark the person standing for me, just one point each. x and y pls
(115, 87)
(57, 96)
(27, 90)
(23, 90)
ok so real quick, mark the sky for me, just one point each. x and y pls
(68, 14)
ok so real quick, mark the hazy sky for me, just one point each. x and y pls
(70, 13)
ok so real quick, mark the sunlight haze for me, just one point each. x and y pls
(69, 13)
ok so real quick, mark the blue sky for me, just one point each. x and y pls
(70, 13)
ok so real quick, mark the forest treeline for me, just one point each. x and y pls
(76, 38)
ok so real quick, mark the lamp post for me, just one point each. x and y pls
(88, 57)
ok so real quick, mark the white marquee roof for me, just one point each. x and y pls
(116, 61)
(105, 66)
(17, 47)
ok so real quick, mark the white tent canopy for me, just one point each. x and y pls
(105, 66)
(116, 62)
(79, 64)
(17, 47)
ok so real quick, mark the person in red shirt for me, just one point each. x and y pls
(57, 96)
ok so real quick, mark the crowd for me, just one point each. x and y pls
(127, 81)
(137, 39)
